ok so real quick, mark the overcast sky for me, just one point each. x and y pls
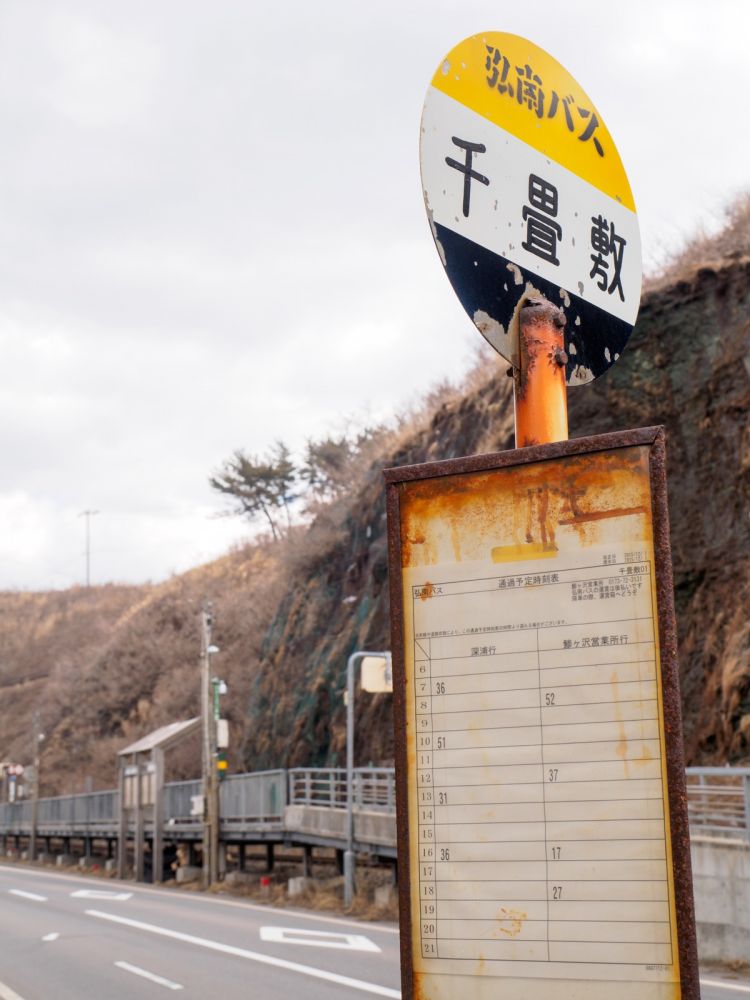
(212, 235)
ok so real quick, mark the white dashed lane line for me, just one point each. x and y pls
(6, 993)
(28, 895)
(253, 956)
(151, 976)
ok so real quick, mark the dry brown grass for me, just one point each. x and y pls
(106, 665)
(324, 895)
(703, 249)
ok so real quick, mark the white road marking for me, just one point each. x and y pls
(6, 993)
(99, 894)
(722, 984)
(28, 895)
(253, 956)
(198, 897)
(51, 937)
(318, 939)
(149, 975)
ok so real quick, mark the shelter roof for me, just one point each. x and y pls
(163, 738)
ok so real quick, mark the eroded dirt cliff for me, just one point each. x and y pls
(687, 366)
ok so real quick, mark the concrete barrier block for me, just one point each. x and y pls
(240, 879)
(188, 873)
(63, 860)
(317, 820)
(721, 885)
(369, 827)
(299, 884)
(375, 828)
(383, 895)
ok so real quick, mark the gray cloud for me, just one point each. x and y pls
(213, 235)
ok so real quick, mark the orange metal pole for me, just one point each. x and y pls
(541, 404)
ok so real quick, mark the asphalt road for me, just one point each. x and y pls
(62, 938)
(69, 938)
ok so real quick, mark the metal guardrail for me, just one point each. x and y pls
(318, 786)
(259, 797)
(87, 812)
(254, 799)
(178, 802)
(719, 801)
(374, 788)
(246, 801)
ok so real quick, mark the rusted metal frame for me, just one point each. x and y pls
(399, 729)
(672, 708)
(522, 456)
(654, 438)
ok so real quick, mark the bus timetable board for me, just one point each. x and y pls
(543, 838)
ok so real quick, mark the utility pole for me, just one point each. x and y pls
(88, 514)
(35, 757)
(210, 782)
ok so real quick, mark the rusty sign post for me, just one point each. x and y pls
(543, 841)
(540, 393)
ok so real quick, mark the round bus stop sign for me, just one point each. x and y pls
(527, 196)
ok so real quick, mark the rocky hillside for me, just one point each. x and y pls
(108, 664)
(105, 665)
(686, 367)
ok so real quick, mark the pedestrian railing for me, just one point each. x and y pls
(256, 799)
(719, 801)
(15, 815)
(88, 812)
(318, 786)
(374, 788)
(179, 803)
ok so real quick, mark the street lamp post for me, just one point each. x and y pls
(210, 785)
(353, 661)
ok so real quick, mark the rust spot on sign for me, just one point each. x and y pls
(621, 747)
(510, 922)
(645, 755)
(418, 991)
(526, 511)
(597, 515)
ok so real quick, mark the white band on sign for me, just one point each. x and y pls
(527, 196)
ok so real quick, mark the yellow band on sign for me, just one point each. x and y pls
(520, 88)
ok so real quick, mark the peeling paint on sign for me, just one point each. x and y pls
(520, 174)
